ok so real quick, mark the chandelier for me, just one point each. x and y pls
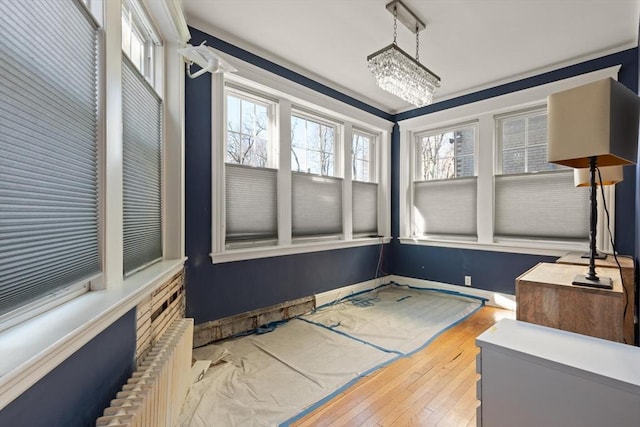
(396, 71)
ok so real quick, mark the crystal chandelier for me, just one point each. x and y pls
(396, 71)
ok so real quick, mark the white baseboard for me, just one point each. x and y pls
(335, 294)
(494, 299)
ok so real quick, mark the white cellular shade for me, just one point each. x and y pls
(541, 205)
(48, 149)
(316, 205)
(142, 154)
(365, 208)
(251, 203)
(445, 207)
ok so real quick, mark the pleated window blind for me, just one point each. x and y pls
(316, 205)
(365, 208)
(251, 203)
(446, 207)
(541, 205)
(142, 157)
(48, 149)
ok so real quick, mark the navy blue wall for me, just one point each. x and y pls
(76, 392)
(497, 271)
(215, 291)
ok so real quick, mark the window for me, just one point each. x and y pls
(445, 188)
(364, 187)
(498, 192)
(139, 39)
(532, 191)
(312, 146)
(61, 180)
(249, 140)
(142, 146)
(292, 177)
(250, 171)
(316, 200)
(48, 153)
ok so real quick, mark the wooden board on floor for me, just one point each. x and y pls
(436, 386)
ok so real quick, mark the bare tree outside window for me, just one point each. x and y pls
(312, 146)
(446, 155)
(247, 132)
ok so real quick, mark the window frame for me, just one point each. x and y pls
(487, 153)
(289, 100)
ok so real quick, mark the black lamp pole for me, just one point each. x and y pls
(592, 279)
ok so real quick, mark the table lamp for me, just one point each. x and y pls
(610, 175)
(590, 126)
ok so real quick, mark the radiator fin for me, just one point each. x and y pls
(154, 394)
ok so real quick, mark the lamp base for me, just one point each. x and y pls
(597, 255)
(602, 282)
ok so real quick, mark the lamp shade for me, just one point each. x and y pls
(610, 175)
(599, 119)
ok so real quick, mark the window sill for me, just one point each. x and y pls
(32, 349)
(293, 249)
(529, 247)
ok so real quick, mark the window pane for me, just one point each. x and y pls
(248, 133)
(464, 166)
(537, 159)
(513, 161)
(537, 132)
(313, 136)
(446, 155)
(360, 159)
(513, 133)
(312, 146)
(233, 113)
(524, 144)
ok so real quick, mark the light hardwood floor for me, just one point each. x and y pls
(434, 387)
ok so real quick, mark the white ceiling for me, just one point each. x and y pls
(470, 44)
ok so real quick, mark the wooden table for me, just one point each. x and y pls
(628, 272)
(545, 296)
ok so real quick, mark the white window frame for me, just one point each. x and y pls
(34, 347)
(484, 113)
(291, 98)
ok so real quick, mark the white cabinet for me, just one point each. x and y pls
(537, 376)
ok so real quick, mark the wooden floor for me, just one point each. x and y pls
(434, 387)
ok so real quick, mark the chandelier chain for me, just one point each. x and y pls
(417, 44)
(395, 24)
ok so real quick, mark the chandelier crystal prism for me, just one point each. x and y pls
(396, 71)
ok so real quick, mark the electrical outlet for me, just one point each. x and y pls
(467, 280)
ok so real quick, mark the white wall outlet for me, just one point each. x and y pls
(467, 280)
